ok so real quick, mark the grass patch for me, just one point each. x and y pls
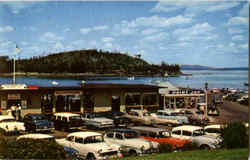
(221, 154)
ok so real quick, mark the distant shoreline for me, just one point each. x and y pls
(81, 75)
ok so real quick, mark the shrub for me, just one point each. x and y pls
(189, 146)
(235, 136)
(31, 149)
(165, 148)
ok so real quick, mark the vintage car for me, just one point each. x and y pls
(36, 136)
(130, 142)
(170, 117)
(196, 135)
(97, 120)
(9, 125)
(90, 145)
(119, 119)
(37, 123)
(160, 135)
(68, 121)
(71, 153)
(213, 130)
(140, 116)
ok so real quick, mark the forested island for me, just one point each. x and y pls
(87, 62)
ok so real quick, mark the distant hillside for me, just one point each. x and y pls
(199, 67)
(93, 61)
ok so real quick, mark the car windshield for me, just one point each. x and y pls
(164, 134)
(39, 117)
(198, 132)
(8, 120)
(75, 118)
(130, 135)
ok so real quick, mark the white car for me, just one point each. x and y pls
(213, 130)
(90, 145)
(36, 136)
(9, 125)
(130, 142)
(196, 135)
(140, 116)
(97, 120)
(170, 117)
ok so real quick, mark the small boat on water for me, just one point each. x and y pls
(245, 84)
(131, 78)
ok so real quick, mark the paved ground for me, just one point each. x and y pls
(232, 111)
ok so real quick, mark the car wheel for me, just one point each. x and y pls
(204, 147)
(90, 156)
(132, 153)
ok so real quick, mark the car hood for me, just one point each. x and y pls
(11, 126)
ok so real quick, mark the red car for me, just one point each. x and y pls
(159, 135)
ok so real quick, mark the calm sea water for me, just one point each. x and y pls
(215, 79)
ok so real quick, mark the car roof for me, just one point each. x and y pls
(187, 128)
(84, 134)
(66, 114)
(122, 130)
(2, 117)
(150, 129)
(218, 126)
(35, 136)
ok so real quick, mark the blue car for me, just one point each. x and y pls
(38, 123)
(71, 153)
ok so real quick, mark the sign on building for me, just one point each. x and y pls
(14, 96)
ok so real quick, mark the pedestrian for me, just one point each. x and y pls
(13, 111)
(18, 112)
(0, 111)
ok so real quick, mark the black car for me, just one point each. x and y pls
(119, 119)
(37, 123)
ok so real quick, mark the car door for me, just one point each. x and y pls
(177, 134)
(109, 138)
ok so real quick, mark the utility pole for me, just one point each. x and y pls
(14, 64)
(206, 98)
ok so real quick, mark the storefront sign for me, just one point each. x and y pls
(13, 86)
(68, 93)
(14, 96)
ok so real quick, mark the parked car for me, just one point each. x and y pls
(196, 135)
(140, 116)
(90, 145)
(9, 125)
(118, 118)
(130, 142)
(170, 117)
(160, 135)
(68, 121)
(71, 153)
(97, 120)
(213, 130)
(37, 123)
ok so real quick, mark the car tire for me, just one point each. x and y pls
(90, 156)
(132, 153)
(204, 147)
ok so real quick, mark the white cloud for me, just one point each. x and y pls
(238, 21)
(85, 30)
(149, 31)
(235, 30)
(58, 45)
(6, 29)
(66, 30)
(195, 30)
(107, 39)
(108, 45)
(24, 43)
(193, 6)
(243, 46)
(156, 37)
(97, 28)
(238, 38)
(50, 37)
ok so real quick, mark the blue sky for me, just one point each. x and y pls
(213, 33)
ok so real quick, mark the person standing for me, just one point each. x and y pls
(13, 111)
(18, 112)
